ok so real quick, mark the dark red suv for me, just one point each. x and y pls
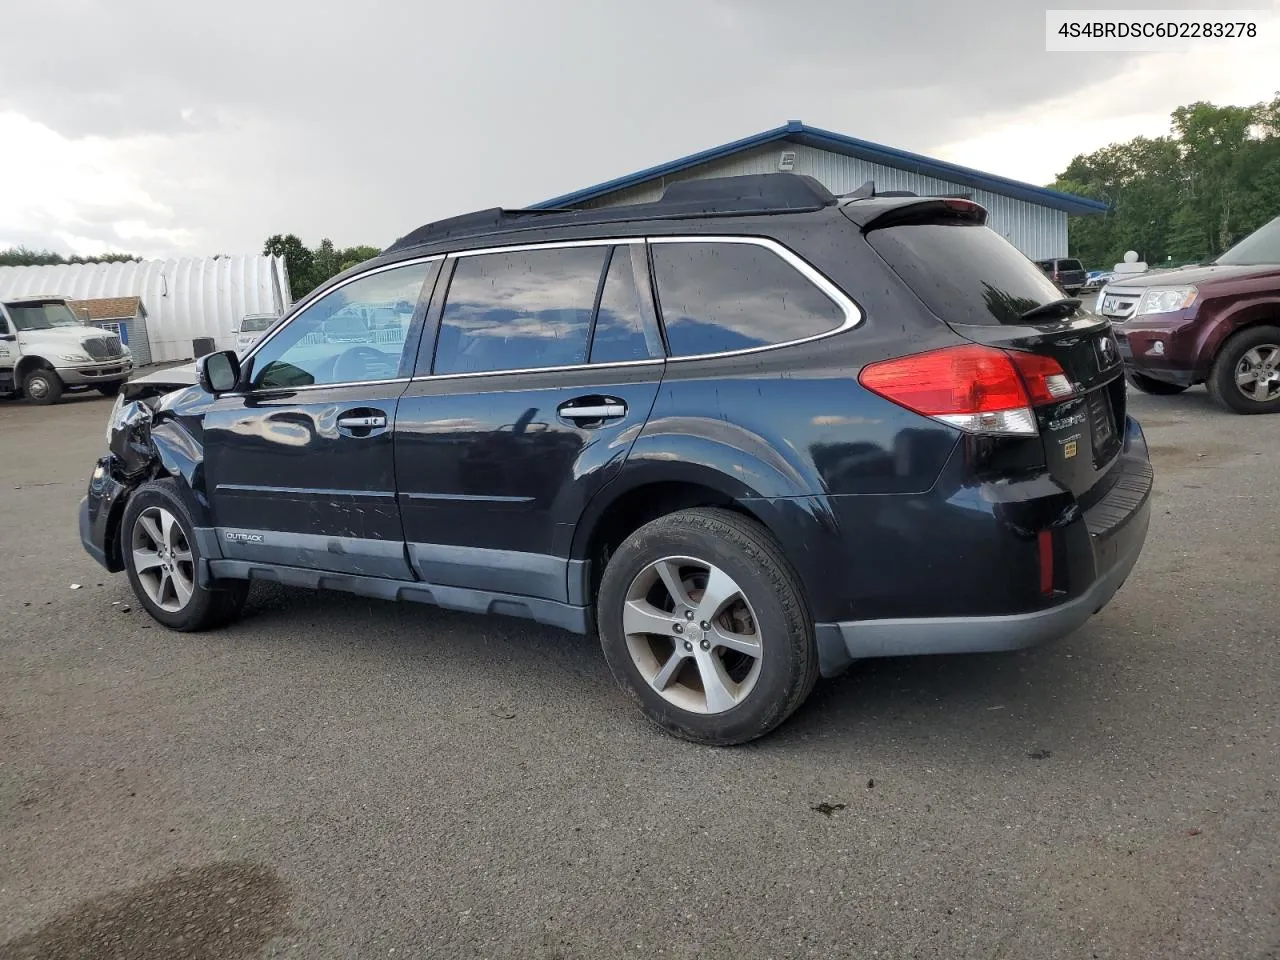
(1216, 324)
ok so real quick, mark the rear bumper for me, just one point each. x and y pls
(1116, 527)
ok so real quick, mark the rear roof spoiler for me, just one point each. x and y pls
(875, 212)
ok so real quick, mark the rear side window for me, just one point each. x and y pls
(965, 274)
(520, 310)
(717, 296)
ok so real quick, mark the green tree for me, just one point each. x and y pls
(1187, 196)
(21, 256)
(297, 259)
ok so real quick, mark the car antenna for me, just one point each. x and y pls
(864, 192)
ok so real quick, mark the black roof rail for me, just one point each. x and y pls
(761, 193)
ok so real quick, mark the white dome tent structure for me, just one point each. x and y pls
(185, 299)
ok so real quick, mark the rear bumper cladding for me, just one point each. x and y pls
(839, 644)
(1117, 529)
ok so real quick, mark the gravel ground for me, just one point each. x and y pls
(335, 777)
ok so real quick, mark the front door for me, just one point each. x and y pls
(547, 364)
(300, 467)
(8, 355)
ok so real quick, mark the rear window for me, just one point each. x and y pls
(965, 274)
(1070, 265)
(256, 324)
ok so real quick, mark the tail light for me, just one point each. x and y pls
(978, 389)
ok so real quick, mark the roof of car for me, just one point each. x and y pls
(752, 195)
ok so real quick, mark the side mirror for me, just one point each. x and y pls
(8, 336)
(219, 372)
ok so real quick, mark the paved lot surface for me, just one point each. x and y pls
(334, 777)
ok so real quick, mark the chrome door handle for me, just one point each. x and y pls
(356, 422)
(599, 411)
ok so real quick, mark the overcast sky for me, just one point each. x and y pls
(172, 129)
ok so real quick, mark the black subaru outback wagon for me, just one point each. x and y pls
(749, 433)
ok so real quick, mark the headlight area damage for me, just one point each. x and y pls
(151, 435)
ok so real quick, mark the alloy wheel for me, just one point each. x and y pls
(163, 560)
(1258, 373)
(692, 634)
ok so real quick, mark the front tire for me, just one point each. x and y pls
(1246, 373)
(703, 623)
(1157, 388)
(162, 557)
(42, 387)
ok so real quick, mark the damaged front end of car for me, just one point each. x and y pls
(152, 433)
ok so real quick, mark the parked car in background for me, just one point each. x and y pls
(45, 350)
(1066, 273)
(251, 329)
(748, 433)
(1217, 324)
(1096, 280)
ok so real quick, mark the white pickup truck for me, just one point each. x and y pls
(45, 350)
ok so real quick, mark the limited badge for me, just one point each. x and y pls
(1069, 449)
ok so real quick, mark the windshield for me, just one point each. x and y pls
(42, 316)
(1260, 248)
(256, 324)
(965, 274)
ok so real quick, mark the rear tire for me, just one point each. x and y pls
(42, 387)
(1157, 388)
(110, 389)
(1248, 365)
(721, 672)
(162, 559)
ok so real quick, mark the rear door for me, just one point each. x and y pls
(300, 467)
(545, 367)
(979, 284)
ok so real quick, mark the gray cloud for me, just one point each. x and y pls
(360, 122)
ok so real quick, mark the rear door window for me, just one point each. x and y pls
(519, 311)
(717, 296)
(965, 273)
(619, 333)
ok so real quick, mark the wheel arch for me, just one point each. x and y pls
(30, 362)
(650, 491)
(1254, 313)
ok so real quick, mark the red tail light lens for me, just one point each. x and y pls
(1046, 380)
(978, 389)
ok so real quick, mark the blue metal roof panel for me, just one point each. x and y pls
(798, 132)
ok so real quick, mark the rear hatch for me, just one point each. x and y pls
(984, 289)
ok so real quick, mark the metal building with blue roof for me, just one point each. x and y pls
(1033, 218)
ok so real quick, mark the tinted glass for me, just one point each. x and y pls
(965, 274)
(1070, 265)
(619, 332)
(731, 296)
(335, 339)
(515, 311)
(1262, 247)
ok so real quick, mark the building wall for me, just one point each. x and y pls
(1039, 232)
(185, 299)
